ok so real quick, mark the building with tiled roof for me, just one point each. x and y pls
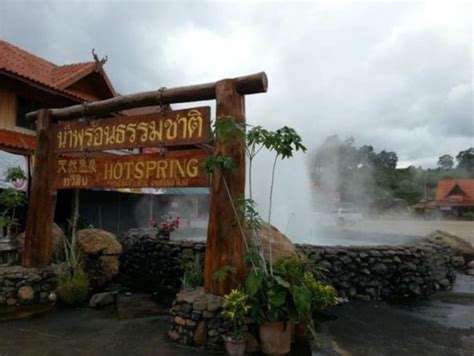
(454, 197)
(28, 82)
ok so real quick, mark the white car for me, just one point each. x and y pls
(347, 216)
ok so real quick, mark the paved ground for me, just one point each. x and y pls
(387, 231)
(443, 325)
(463, 229)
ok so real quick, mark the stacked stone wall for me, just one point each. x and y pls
(22, 286)
(364, 273)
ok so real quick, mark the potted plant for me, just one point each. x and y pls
(322, 296)
(167, 225)
(277, 300)
(236, 309)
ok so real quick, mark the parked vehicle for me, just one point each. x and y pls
(347, 216)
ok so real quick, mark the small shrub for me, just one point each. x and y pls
(73, 289)
(192, 272)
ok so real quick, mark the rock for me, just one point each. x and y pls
(57, 242)
(457, 261)
(52, 297)
(173, 335)
(11, 302)
(281, 244)
(190, 322)
(189, 295)
(101, 252)
(470, 264)
(346, 259)
(180, 321)
(26, 294)
(362, 297)
(200, 305)
(457, 245)
(102, 299)
(444, 283)
(200, 334)
(470, 272)
(380, 268)
(214, 303)
(97, 241)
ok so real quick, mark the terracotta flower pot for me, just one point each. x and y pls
(234, 347)
(275, 337)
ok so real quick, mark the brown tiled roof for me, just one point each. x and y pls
(445, 187)
(17, 140)
(19, 62)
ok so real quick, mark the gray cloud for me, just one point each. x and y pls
(397, 75)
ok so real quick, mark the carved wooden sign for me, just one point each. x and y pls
(174, 169)
(171, 128)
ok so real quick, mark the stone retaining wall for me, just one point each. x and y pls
(196, 319)
(148, 263)
(385, 272)
(20, 286)
(365, 273)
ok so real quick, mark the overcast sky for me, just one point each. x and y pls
(397, 75)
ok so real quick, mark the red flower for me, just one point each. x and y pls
(165, 226)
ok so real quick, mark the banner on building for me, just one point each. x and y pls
(10, 160)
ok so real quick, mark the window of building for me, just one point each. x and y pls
(24, 106)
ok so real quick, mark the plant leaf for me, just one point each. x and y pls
(282, 282)
(253, 282)
(302, 299)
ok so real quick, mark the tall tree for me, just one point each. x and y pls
(466, 160)
(446, 162)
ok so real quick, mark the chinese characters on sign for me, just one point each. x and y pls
(176, 169)
(173, 128)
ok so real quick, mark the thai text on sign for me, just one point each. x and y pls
(169, 128)
(175, 169)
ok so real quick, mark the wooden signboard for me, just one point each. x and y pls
(172, 128)
(174, 169)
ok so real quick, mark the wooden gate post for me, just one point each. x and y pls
(224, 240)
(42, 202)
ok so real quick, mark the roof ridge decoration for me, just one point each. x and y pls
(20, 63)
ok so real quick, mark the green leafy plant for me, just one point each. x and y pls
(73, 288)
(236, 309)
(224, 273)
(10, 200)
(322, 295)
(290, 293)
(192, 272)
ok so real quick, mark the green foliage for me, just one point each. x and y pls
(228, 130)
(222, 163)
(14, 173)
(466, 160)
(248, 211)
(322, 296)
(284, 142)
(225, 272)
(446, 162)
(192, 272)
(371, 179)
(287, 293)
(73, 288)
(236, 308)
(11, 199)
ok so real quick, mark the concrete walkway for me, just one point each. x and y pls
(443, 325)
(88, 332)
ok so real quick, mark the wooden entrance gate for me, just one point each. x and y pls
(68, 156)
